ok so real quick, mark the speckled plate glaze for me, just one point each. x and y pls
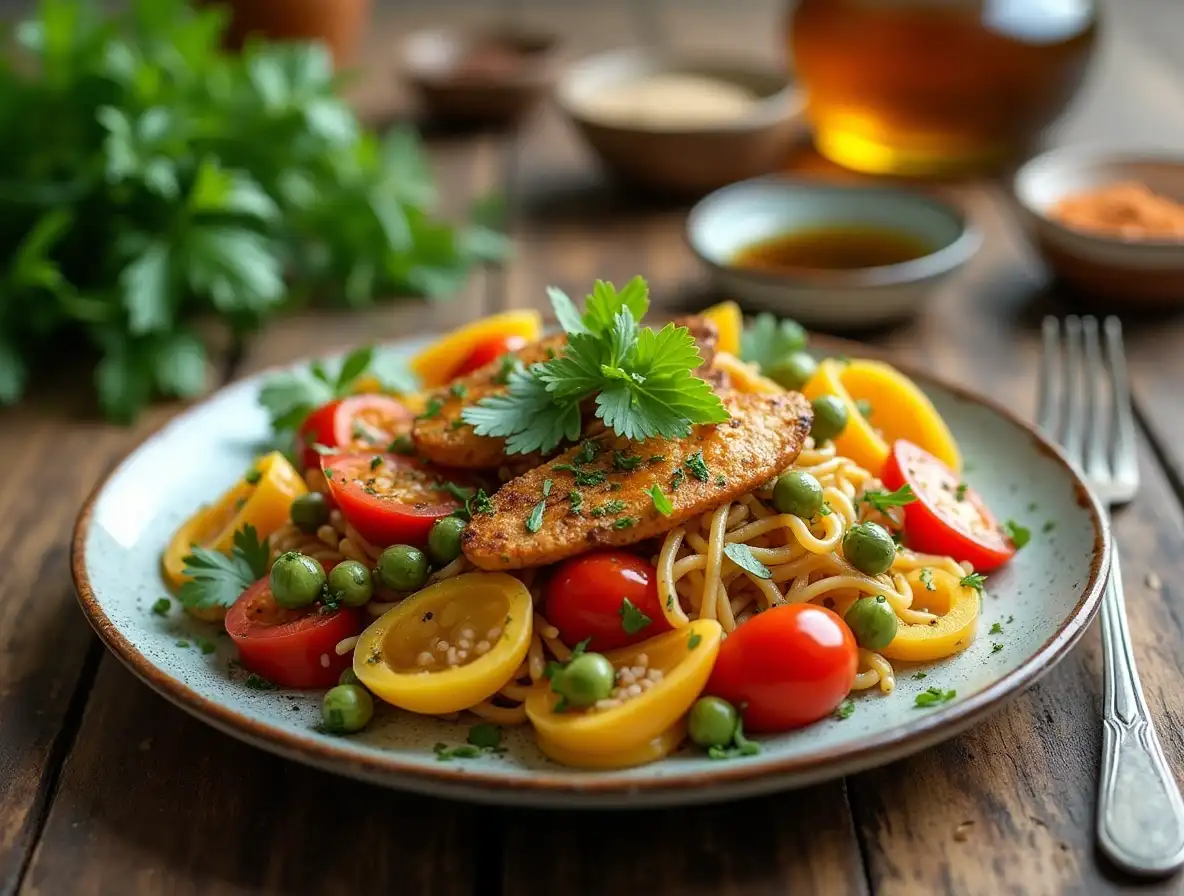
(1051, 589)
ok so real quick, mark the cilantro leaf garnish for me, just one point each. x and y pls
(608, 508)
(633, 620)
(1019, 534)
(741, 555)
(216, 579)
(661, 502)
(934, 697)
(768, 340)
(882, 500)
(926, 577)
(576, 500)
(974, 580)
(641, 380)
(844, 709)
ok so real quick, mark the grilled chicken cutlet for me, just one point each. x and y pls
(600, 492)
(444, 438)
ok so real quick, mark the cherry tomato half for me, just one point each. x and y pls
(388, 498)
(292, 648)
(786, 667)
(489, 350)
(359, 421)
(586, 599)
(948, 517)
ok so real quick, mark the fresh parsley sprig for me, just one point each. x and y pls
(882, 500)
(216, 579)
(641, 380)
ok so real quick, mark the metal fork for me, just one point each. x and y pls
(1084, 403)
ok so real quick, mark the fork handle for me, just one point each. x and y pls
(1140, 812)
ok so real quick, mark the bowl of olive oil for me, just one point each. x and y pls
(832, 256)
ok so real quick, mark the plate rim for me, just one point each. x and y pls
(543, 788)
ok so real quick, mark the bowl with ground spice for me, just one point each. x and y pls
(1109, 224)
(682, 125)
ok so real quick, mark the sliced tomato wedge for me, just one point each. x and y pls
(359, 421)
(389, 499)
(291, 648)
(948, 516)
(489, 350)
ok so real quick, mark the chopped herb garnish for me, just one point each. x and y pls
(741, 555)
(486, 736)
(1019, 535)
(457, 424)
(960, 491)
(740, 746)
(329, 474)
(625, 522)
(721, 480)
(698, 467)
(847, 707)
(676, 479)
(181, 643)
(996, 647)
(161, 606)
(694, 640)
(253, 476)
(632, 619)
(259, 683)
(657, 458)
(661, 502)
(589, 450)
(625, 463)
(1033, 507)
(935, 697)
(215, 579)
(458, 390)
(433, 408)
(882, 500)
(609, 508)
(462, 493)
(918, 676)
(996, 629)
(206, 646)
(975, 580)
(576, 500)
(445, 753)
(376, 462)
(480, 503)
(1048, 526)
(534, 522)
(1010, 620)
(401, 445)
(588, 478)
(926, 577)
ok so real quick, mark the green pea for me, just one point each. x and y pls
(350, 583)
(586, 679)
(444, 539)
(872, 621)
(348, 676)
(798, 493)
(296, 580)
(347, 708)
(830, 418)
(869, 548)
(403, 567)
(793, 371)
(309, 512)
(712, 722)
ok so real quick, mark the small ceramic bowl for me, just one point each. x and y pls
(486, 77)
(683, 159)
(1142, 273)
(736, 217)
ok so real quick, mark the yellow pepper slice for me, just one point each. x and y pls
(957, 607)
(435, 364)
(264, 504)
(744, 377)
(730, 321)
(400, 660)
(658, 748)
(899, 411)
(600, 735)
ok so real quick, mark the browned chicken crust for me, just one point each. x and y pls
(445, 439)
(612, 492)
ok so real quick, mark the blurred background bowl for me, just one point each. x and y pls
(735, 218)
(660, 152)
(482, 77)
(1120, 271)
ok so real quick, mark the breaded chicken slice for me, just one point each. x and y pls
(600, 492)
(443, 438)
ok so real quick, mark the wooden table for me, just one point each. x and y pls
(106, 788)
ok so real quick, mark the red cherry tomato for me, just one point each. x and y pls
(360, 421)
(388, 498)
(786, 667)
(947, 517)
(586, 599)
(290, 647)
(489, 350)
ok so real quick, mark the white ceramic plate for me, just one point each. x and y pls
(1051, 589)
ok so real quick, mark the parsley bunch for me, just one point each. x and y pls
(641, 380)
(148, 178)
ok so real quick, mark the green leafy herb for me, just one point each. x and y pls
(216, 579)
(824, 510)
(996, 629)
(926, 577)
(740, 746)
(534, 522)
(259, 683)
(656, 458)
(182, 643)
(587, 478)
(576, 500)
(632, 619)
(844, 709)
(609, 508)
(376, 462)
(934, 697)
(919, 676)
(508, 364)
(1019, 535)
(1009, 620)
(625, 522)
(625, 463)
(996, 647)
(641, 380)
(1048, 526)
(768, 340)
(697, 466)
(741, 554)
(486, 736)
(445, 753)
(161, 606)
(975, 580)
(882, 500)
(458, 390)
(402, 445)
(721, 480)
(960, 491)
(661, 502)
(462, 493)
(694, 640)
(676, 479)
(589, 450)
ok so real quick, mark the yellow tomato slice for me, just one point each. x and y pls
(728, 318)
(264, 504)
(435, 364)
(658, 748)
(400, 658)
(957, 607)
(636, 722)
(899, 411)
(744, 377)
